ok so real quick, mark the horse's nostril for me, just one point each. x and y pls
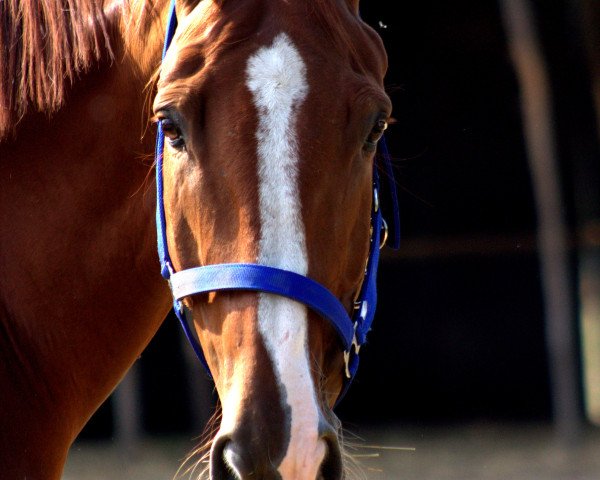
(331, 468)
(219, 467)
(234, 460)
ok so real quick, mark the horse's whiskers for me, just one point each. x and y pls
(197, 461)
(353, 451)
(352, 467)
(391, 447)
(196, 465)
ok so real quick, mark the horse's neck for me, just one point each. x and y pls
(80, 292)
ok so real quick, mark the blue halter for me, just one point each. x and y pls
(352, 331)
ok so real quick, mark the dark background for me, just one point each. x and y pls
(459, 331)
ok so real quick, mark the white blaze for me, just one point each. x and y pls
(276, 76)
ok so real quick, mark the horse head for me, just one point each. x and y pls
(272, 112)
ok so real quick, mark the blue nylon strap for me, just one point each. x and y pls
(180, 313)
(171, 26)
(367, 299)
(161, 225)
(253, 277)
(368, 295)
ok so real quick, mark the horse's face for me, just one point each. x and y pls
(272, 111)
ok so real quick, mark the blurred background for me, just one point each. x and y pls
(484, 358)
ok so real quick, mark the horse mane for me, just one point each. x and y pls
(43, 45)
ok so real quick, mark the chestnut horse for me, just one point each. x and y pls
(271, 110)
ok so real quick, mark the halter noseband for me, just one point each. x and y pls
(352, 331)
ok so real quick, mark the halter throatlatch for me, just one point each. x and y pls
(352, 330)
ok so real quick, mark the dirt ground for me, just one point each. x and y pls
(465, 452)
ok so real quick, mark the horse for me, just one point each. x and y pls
(270, 113)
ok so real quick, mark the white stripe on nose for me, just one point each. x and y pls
(276, 76)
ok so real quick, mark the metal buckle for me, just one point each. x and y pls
(348, 352)
(171, 272)
(384, 225)
(170, 268)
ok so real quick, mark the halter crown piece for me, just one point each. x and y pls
(352, 331)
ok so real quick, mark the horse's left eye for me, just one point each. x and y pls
(376, 134)
(172, 132)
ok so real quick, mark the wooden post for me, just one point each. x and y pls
(589, 213)
(590, 16)
(556, 277)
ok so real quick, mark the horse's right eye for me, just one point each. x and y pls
(172, 132)
(376, 133)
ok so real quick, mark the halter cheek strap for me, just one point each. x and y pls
(352, 330)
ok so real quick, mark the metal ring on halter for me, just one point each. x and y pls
(384, 238)
(375, 200)
(348, 353)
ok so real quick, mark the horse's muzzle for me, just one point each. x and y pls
(234, 460)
